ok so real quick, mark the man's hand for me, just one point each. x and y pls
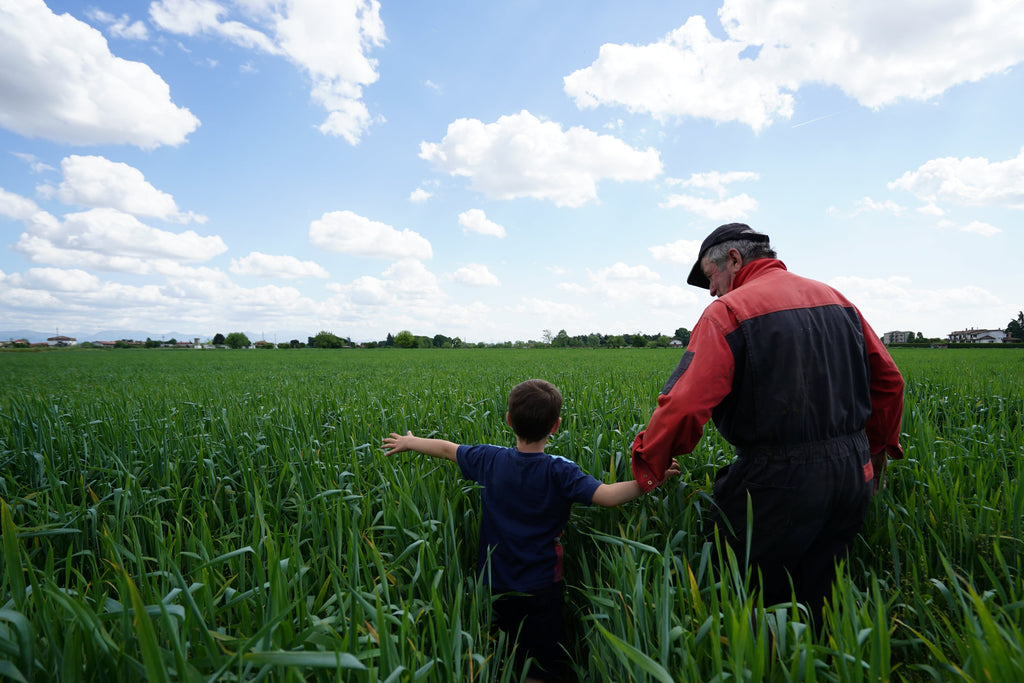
(672, 471)
(879, 461)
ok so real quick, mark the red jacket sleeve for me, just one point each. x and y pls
(886, 419)
(678, 422)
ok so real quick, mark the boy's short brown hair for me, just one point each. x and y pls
(533, 409)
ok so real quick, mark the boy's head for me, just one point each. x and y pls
(534, 407)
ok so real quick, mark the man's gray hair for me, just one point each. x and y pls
(750, 251)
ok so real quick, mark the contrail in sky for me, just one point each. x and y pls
(820, 118)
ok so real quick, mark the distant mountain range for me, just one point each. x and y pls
(35, 337)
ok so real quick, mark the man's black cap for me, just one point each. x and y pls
(723, 233)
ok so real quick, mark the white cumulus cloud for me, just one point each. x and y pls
(968, 181)
(620, 283)
(407, 283)
(15, 206)
(194, 17)
(97, 182)
(350, 233)
(877, 52)
(520, 155)
(328, 39)
(60, 82)
(108, 239)
(688, 73)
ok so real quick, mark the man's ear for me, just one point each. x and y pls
(508, 420)
(735, 259)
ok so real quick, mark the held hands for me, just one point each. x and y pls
(394, 443)
(672, 471)
(879, 461)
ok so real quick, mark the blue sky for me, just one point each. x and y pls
(495, 170)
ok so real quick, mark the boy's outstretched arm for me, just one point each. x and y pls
(610, 495)
(438, 448)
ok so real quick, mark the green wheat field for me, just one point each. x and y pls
(230, 516)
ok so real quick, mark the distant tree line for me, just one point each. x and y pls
(407, 340)
(562, 339)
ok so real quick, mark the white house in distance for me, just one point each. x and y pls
(897, 337)
(61, 340)
(973, 336)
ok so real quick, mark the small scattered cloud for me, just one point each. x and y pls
(475, 220)
(680, 252)
(350, 233)
(263, 265)
(476, 275)
(120, 26)
(197, 17)
(711, 198)
(572, 288)
(974, 227)
(621, 283)
(728, 209)
(981, 228)
(869, 205)
(420, 195)
(34, 164)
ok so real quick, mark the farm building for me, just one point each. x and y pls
(973, 336)
(897, 337)
(61, 340)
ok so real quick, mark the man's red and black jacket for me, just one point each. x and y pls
(780, 360)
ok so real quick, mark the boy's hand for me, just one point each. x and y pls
(672, 471)
(394, 443)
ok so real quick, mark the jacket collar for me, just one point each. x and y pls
(755, 269)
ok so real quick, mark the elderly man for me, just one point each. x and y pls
(800, 385)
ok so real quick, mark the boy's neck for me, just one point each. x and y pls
(531, 446)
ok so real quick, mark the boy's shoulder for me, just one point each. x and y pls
(485, 448)
(504, 453)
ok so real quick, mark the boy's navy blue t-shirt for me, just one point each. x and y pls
(526, 500)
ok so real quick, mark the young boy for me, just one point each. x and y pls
(526, 498)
